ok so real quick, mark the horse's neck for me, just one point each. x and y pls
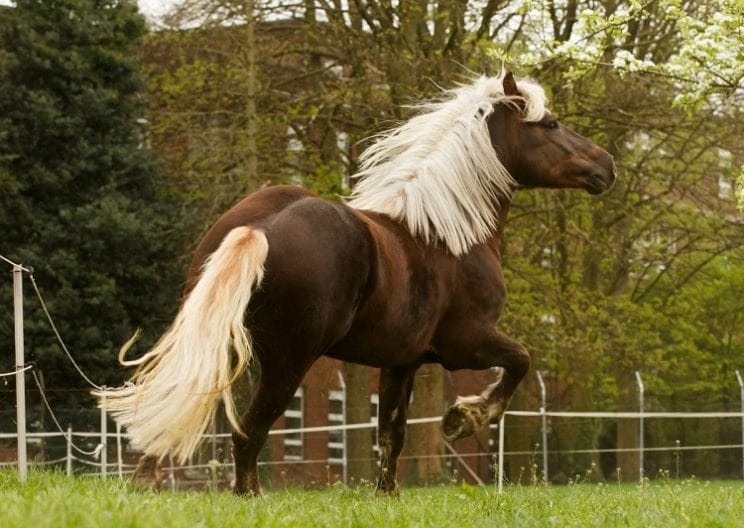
(501, 207)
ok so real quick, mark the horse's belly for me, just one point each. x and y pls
(380, 343)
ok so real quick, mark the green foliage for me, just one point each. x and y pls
(644, 278)
(598, 287)
(640, 279)
(81, 202)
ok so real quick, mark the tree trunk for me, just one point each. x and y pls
(360, 457)
(251, 117)
(425, 444)
(627, 429)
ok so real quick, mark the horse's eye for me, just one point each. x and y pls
(553, 124)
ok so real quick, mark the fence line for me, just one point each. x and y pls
(56, 333)
(21, 435)
(432, 419)
(15, 372)
(370, 425)
(124, 468)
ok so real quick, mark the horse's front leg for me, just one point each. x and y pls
(471, 413)
(395, 388)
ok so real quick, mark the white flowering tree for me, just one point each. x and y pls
(659, 83)
(706, 63)
(703, 60)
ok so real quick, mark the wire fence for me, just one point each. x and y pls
(94, 459)
(110, 454)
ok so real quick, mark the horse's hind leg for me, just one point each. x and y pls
(395, 388)
(148, 473)
(471, 413)
(274, 392)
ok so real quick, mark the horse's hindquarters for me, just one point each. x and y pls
(317, 273)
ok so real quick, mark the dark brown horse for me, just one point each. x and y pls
(407, 272)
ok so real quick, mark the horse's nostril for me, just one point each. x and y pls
(612, 177)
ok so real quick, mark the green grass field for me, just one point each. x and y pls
(54, 500)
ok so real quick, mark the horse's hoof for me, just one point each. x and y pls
(245, 491)
(453, 424)
(387, 490)
(465, 417)
(250, 494)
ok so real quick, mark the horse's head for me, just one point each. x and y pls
(440, 172)
(539, 151)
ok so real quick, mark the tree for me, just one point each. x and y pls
(595, 284)
(635, 77)
(81, 201)
(318, 94)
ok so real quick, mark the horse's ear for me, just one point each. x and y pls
(510, 85)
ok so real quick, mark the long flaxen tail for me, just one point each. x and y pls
(173, 395)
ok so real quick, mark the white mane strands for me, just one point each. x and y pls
(438, 173)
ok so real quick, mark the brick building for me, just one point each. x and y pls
(315, 458)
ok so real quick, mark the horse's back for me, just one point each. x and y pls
(252, 210)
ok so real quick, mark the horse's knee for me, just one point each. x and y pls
(520, 363)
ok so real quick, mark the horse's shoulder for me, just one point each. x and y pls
(479, 286)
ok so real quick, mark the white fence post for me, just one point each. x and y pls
(501, 453)
(342, 384)
(543, 412)
(68, 461)
(741, 394)
(104, 434)
(20, 373)
(214, 437)
(119, 460)
(640, 433)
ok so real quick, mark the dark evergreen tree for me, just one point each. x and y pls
(79, 193)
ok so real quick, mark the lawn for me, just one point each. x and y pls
(54, 500)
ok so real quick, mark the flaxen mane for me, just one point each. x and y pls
(438, 173)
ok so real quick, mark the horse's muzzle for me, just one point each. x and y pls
(603, 178)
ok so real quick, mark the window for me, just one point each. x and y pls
(336, 437)
(293, 419)
(343, 146)
(725, 188)
(725, 182)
